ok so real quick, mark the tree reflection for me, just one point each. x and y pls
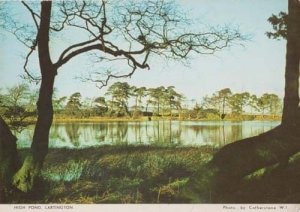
(72, 131)
(99, 131)
(162, 133)
(117, 133)
(56, 134)
(236, 131)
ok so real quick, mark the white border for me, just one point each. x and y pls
(150, 207)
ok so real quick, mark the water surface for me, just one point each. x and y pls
(162, 133)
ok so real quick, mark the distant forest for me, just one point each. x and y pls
(123, 100)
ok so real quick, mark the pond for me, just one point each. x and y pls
(161, 133)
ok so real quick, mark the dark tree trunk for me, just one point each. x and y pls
(25, 177)
(290, 117)
(9, 160)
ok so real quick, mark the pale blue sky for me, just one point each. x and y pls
(257, 67)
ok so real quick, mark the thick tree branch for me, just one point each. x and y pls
(74, 46)
(100, 47)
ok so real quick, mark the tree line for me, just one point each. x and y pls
(226, 102)
(124, 100)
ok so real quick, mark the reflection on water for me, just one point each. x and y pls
(164, 133)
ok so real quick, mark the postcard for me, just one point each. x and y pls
(143, 105)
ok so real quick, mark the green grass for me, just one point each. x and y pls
(145, 174)
(119, 174)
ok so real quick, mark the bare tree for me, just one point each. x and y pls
(127, 31)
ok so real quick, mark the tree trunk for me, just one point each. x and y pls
(223, 174)
(25, 177)
(125, 107)
(290, 116)
(9, 160)
(241, 158)
(136, 105)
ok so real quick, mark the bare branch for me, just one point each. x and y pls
(33, 14)
(130, 30)
(142, 29)
(31, 77)
(108, 77)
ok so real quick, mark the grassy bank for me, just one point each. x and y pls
(65, 119)
(95, 119)
(124, 174)
(144, 174)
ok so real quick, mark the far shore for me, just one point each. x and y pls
(95, 119)
(58, 119)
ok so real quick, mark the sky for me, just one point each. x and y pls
(257, 66)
